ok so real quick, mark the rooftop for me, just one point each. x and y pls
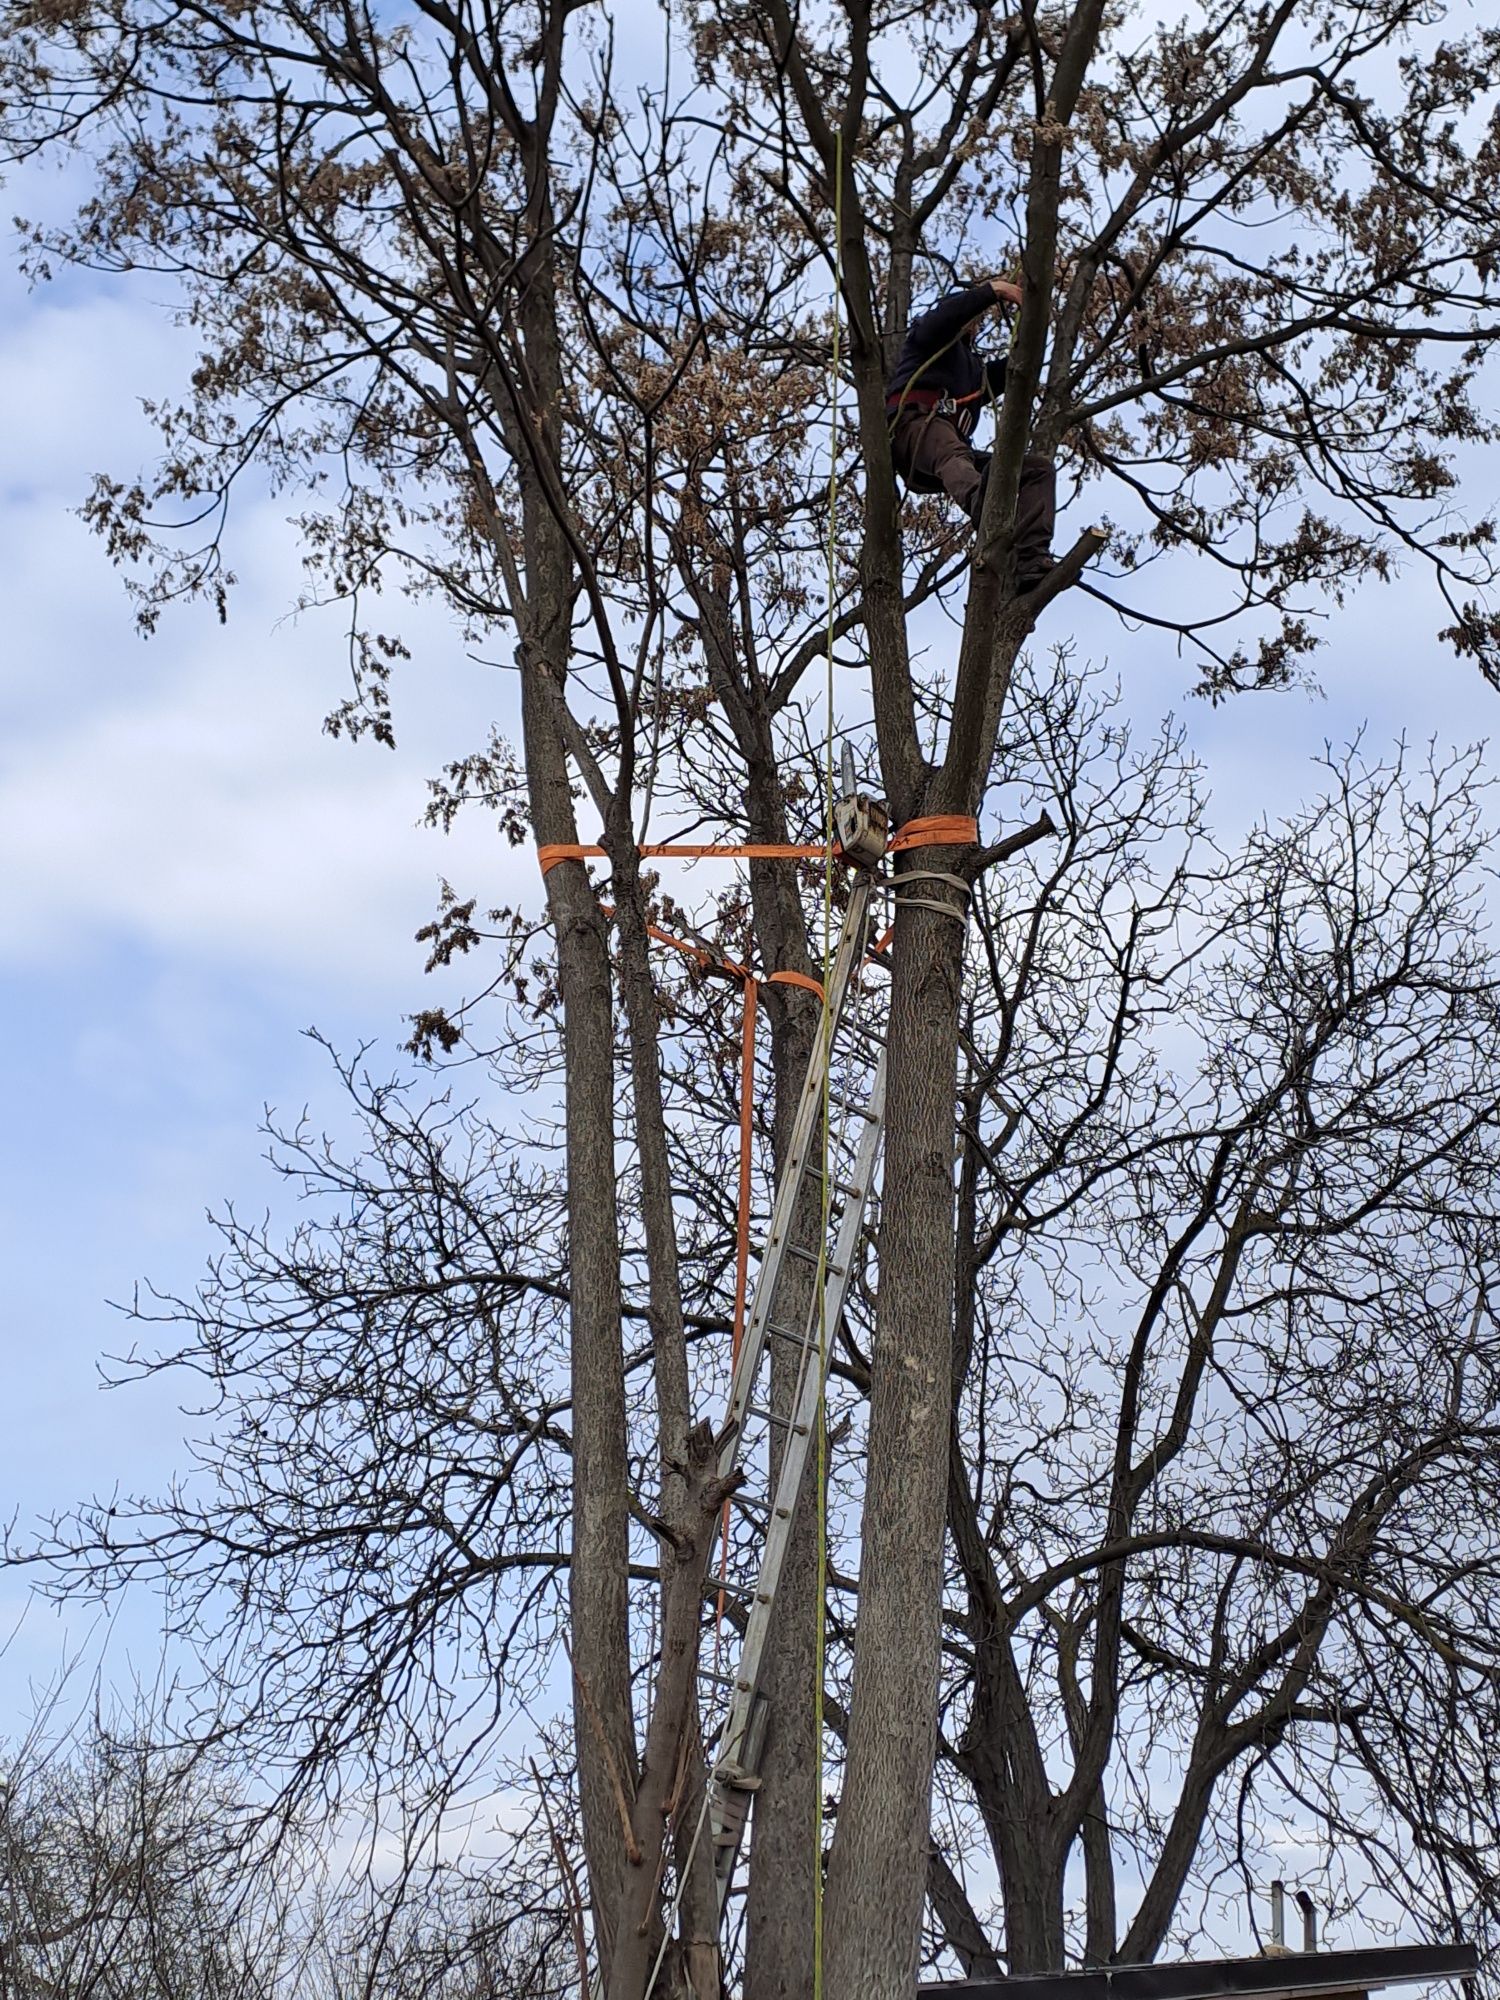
(1274, 1976)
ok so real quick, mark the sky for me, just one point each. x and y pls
(194, 874)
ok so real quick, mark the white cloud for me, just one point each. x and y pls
(75, 371)
(209, 816)
(179, 795)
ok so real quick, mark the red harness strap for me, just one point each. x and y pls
(930, 399)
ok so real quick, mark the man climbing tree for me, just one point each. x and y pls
(940, 382)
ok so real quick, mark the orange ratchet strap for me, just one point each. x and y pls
(938, 830)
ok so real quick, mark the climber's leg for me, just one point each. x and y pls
(1036, 516)
(932, 456)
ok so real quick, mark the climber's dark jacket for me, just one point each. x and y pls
(939, 361)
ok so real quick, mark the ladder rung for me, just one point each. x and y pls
(856, 1110)
(814, 1257)
(770, 1417)
(790, 1335)
(840, 1187)
(731, 1589)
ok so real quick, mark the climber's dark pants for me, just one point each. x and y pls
(933, 456)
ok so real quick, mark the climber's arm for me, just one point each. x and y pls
(948, 318)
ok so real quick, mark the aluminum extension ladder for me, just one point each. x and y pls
(784, 1310)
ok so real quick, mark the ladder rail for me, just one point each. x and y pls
(802, 1423)
(788, 1195)
(729, 1793)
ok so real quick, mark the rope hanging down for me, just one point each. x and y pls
(825, 1031)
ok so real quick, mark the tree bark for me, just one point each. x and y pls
(698, 1916)
(962, 1929)
(658, 1216)
(784, 1856)
(877, 1872)
(604, 1731)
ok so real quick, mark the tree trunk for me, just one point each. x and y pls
(686, 1543)
(598, 1576)
(962, 1930)
(698, 1916)
(784, 1858)
(604, 1732)
(658, 1211)
(878, 1870)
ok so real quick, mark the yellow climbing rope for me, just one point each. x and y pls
(825, 1029)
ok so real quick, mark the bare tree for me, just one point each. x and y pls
(1237, 1306)
(117, 1876)
(561, 347)
(125, 1871)
(1226, 1206)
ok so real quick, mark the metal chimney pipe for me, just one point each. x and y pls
(1309, 1911)
(1278, 1914)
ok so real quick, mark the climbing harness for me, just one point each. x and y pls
(938, 403)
